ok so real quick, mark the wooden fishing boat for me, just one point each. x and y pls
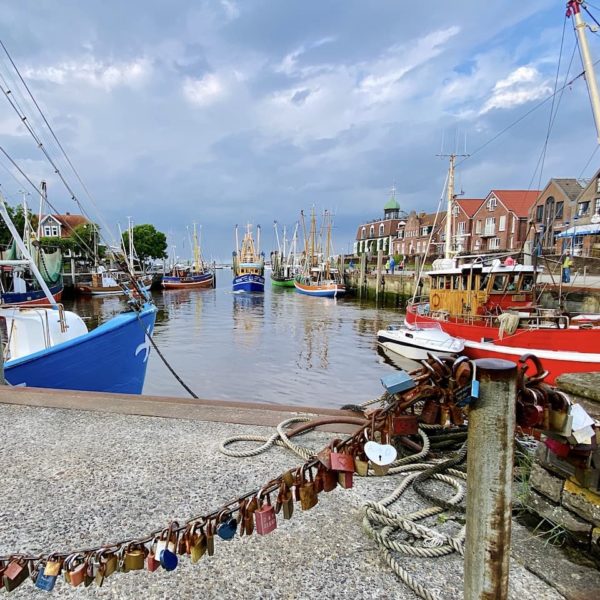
(189, 277)
(106, 283)
(248, 264)
(318, 277)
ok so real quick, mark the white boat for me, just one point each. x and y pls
(415, 342)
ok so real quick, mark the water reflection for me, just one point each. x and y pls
(248, 318)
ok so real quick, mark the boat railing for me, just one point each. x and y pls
(58, 307)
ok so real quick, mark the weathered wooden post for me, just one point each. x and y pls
(2, 380)
(378, 278)
(489, 481)
(363, 274)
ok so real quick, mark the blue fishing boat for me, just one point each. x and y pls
(111, 358)
(46, 346)
(248, 264)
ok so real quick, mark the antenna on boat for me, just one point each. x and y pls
(277, 237)
(43, 197)
(237, 240)
(450, 196)
(574, 10)
(257, 239)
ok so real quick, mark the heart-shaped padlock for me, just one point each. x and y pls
(227, 526)
(380, 454)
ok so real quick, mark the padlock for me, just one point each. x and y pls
(405, 425)
(15, 574)
(340, 461)
(197, 542)
(326, 480)
(210, 538)
(285, 501)
(308, 493)
(430, 412)
(346, 479)
(99, 569)
(166, 547)
(89, 573)
(47, 574)
(249, 509)
(289, 478)
(76, 566)
(227, 525)
(134, 558)
(265, 518)
(152, 563)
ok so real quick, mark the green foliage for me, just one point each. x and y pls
(84, 240)
(50, 243)
(148, 242)
(18, 218)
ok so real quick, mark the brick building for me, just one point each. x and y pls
(378, 234)
(551, 213)
(463, 210)
(501, 222)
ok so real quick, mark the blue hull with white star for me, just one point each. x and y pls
(111, 358)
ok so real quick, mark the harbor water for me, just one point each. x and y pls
(279, 347)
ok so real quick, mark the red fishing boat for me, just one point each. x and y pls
(491, 307)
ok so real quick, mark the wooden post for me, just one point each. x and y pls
(378, 279)
(362, 274)
(2, 380)
(489, 481)
(73, 270)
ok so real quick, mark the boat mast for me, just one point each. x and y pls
(130, 236)
(284, 241)
(237, 241)
(196, 265)
(574, 10)
(277, 237)
(327, 251)
(43, 198)
(24, 251)
(313, 232)
(257, 239)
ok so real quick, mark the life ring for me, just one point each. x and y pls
(435, 300)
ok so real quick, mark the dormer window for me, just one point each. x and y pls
(381, 229)
(455, 210)
(372, 231)
(363, 233)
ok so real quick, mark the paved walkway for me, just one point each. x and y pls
(74, 478)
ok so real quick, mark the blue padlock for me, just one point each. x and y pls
(398, 382)
(227, 527)
(47, 575)
(168, 560)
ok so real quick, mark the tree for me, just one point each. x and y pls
(148, 242)
(16, 214)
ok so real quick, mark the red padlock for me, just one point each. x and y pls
(152, 563)
(405, 425)
(339, 460)
(266, 521)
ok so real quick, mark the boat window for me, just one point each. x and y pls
(513, 283)
(484, 281)
(499, 283)
(409, 335)
(527, 285)
(456, 282)
(465, 281)
(447, 282)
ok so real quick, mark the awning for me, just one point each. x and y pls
(589, 229)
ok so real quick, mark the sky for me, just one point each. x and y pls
(223, 112)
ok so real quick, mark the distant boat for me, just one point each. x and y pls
(107, 283)
(284, 265)
(195, 276)
(416, 342)
(248, 264)
(319, 277)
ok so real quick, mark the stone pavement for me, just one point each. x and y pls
(77, 478)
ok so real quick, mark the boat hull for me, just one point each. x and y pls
(248, 283)
(412, 351)
(326, 290)
(32, 297)
(282, 282)
(110, 358)
(570, 350)
(202, 280)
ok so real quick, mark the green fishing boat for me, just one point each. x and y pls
(284, 265)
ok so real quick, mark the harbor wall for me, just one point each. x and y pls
(393, 290)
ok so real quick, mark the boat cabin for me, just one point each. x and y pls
(475, 289)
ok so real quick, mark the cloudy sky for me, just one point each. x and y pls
(231, 111)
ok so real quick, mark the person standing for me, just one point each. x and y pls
(392, 264)
(387, 265)
(566, 267)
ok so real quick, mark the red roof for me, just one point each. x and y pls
(470, 205)
(519, 201)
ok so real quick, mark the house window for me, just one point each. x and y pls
(491, 203)
(598, 185)
(47, 231)
(460, 229)
(597, 205)
(494, 243)
(424, 230)
(478, 226)
(363, 233)
(400, 235)
(455, 210)
(583, 208)
(558, 214)
(490, 225)
(381, 228)
(539, 213)
(372, 231)
(502, 223)
(54, 231)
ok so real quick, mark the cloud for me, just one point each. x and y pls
(97, 73)
(523, 85)
(232, 10)
(203, 91)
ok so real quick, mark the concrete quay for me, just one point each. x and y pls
(82, 470)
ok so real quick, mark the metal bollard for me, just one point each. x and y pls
(489, 481)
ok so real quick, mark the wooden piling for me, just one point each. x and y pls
(489, 481)
(379, 268)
